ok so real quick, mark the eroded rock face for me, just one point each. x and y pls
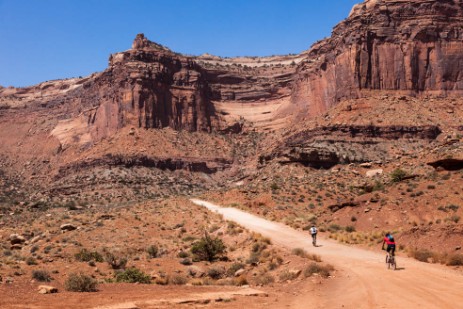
(397, 46)
(149, 87)
(407, 47)
(325, 147)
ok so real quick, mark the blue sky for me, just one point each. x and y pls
(53, 39)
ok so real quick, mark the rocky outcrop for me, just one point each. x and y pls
(148, 87)
(412, 47)
(171, 164)
(325, 147)
(448, 164)
(408, 47)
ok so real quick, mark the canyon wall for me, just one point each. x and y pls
(410, 47)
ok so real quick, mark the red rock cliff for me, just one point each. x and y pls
(413, 47)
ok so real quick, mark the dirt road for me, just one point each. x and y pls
(365, 282)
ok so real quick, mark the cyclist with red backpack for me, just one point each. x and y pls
(389, 240)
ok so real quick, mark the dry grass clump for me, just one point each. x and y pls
(455, 260)
(322, 270)
(302, 253)
(178, 280)
(264, 279)
(424, 255)
(287, 275)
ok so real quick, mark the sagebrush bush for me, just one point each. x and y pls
(132, 275)
(41, 275)
(80, 283)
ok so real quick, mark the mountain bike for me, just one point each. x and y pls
(390, 261)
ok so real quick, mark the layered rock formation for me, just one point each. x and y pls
(411, 47)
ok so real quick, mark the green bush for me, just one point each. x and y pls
(132, 275)
(398, 175)
(85, 255)
(80, 283)
(207, 248)
(41, 275)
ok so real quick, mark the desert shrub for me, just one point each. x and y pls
(240, 281)
(114, 261)
(132, 275)
(314, 257)
(398, 175)
(453, 207)
(422, 255)
(259, 246)
(80, 283)
(287, 275)
(85, 255)
(234, 268)
(183, 254)
(31, 261)
(350, 229)
(186, 262)
(253, 258)
(152, 251)
(322, 270)
(264, 279)
(215, 272)
(162, 281)
(41, 275)
(455, 260)
(178, 280)
(299, 252)
(208, 248)
(333, 228)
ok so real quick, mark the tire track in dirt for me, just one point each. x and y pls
(365, 281)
